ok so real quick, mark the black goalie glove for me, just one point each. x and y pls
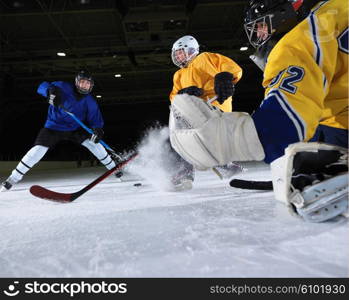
(54, 96)
(97, 135)
(192, 91)
(224, 86)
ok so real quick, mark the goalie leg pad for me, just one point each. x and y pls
(207, 137)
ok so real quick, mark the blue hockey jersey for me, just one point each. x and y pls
(86, 108)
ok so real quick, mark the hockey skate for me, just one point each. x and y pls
(117, 159)
(181, 172)
(229, 170)
(183, 180)
(7, 185)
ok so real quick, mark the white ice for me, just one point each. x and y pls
(120, 230)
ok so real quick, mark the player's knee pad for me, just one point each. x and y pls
(312, 180)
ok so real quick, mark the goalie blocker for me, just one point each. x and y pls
(312, 180)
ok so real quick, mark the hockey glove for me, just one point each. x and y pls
(97, 135)
(192, 91)
(54, 96)
(224, 86)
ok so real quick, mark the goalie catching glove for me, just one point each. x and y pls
(207, 137)
(312, 180)
(224, 86)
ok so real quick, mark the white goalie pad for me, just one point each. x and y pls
(320, 201)
(207, 137)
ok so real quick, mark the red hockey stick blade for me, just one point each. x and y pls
(43, 193)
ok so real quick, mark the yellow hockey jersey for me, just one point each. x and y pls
(306, 80)
(201, 71)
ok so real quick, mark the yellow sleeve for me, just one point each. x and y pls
(176, 85)
(220, 63)
(301, 94)
(225, 64)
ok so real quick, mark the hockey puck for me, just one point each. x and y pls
(137, 184)
(119, 174)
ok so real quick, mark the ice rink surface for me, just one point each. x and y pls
(120, 230)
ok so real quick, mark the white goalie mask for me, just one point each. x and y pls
(184, 50)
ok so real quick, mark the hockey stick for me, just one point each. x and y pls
(43, 193)
(210, 100)
(91, 132)
(251, 185)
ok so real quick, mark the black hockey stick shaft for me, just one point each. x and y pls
(43, 193)
(251, 185)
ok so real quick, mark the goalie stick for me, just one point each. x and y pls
(43, 193)
(251, 185)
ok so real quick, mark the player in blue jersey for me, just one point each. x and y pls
(60, 126)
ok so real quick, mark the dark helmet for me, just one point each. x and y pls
(84, 75)
(267, 21)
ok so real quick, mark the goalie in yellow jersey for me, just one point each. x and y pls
(205, 75)
(301, 126)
